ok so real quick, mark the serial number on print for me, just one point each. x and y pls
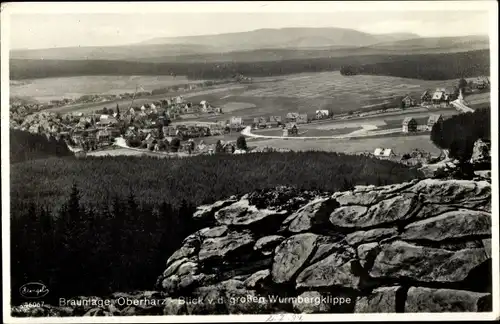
(32, 304)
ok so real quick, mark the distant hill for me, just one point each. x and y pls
(128, 52)
(250, 48)
(404, 47)
(283, 38)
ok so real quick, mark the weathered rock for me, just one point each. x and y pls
(421, 299)
(487, 247)
(174, 306)
(403, 260)
(206, 212)
(454, 224)
(481, 152)
(431, 210)
(326, 248)
(363, 198)
(381, 300)
(216, 231)
(333, 271)
(267, 244)
(243, 214)
(257, 279)
(347, 215)
(317, 210)
(172, 268)
(220, 247)
(386, 211)
(367, 254)
(291, 255)
(451, 191)
(376, 234)
(183, 252)
(309, 302)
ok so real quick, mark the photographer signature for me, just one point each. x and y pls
(33, 290)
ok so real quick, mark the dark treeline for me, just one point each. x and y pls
(459, 133)
(445, 66)
(28, 146)
(199, 179)
(428, 66)
(81, 250)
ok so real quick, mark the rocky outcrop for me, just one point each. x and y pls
(481, 153)
(421, 246)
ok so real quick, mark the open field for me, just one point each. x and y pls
(400, 144)
(309, 131)
(48, 89)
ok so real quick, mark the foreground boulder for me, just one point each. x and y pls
(369, 250)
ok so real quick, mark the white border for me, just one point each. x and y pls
(309, 6)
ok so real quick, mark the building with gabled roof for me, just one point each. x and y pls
(434, 119)
(409, 125)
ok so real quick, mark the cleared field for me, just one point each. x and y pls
(235, 106)
(359, 90)
(48, 89)
(400, 144)
(309, 132)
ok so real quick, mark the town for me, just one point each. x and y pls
(158, 126)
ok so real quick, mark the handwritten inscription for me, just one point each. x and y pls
(33, 290)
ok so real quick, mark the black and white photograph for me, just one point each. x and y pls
(249, 161)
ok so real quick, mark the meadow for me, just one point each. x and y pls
(48, 89)
(400, 144)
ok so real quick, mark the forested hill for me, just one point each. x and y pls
(420, 66)
(27, 146)
(428, 67)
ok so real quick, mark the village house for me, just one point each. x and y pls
(434, 119)
(260, 122)
(236, 121)
(291, 117)
(272, 124)
(103, 135)
(204, 105)
(481, 83)
(451, 93)
(228, 147)
(179, 100)
(408, 101)
(382, 153)
(276, 119)
(321, 114)
(426, 98)
(409, 125)
(290, 130)
(302, 119)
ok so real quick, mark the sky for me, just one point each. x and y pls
(47, 30)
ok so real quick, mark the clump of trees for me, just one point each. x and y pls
(459, 133)
(28, 146)
(241, 143)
